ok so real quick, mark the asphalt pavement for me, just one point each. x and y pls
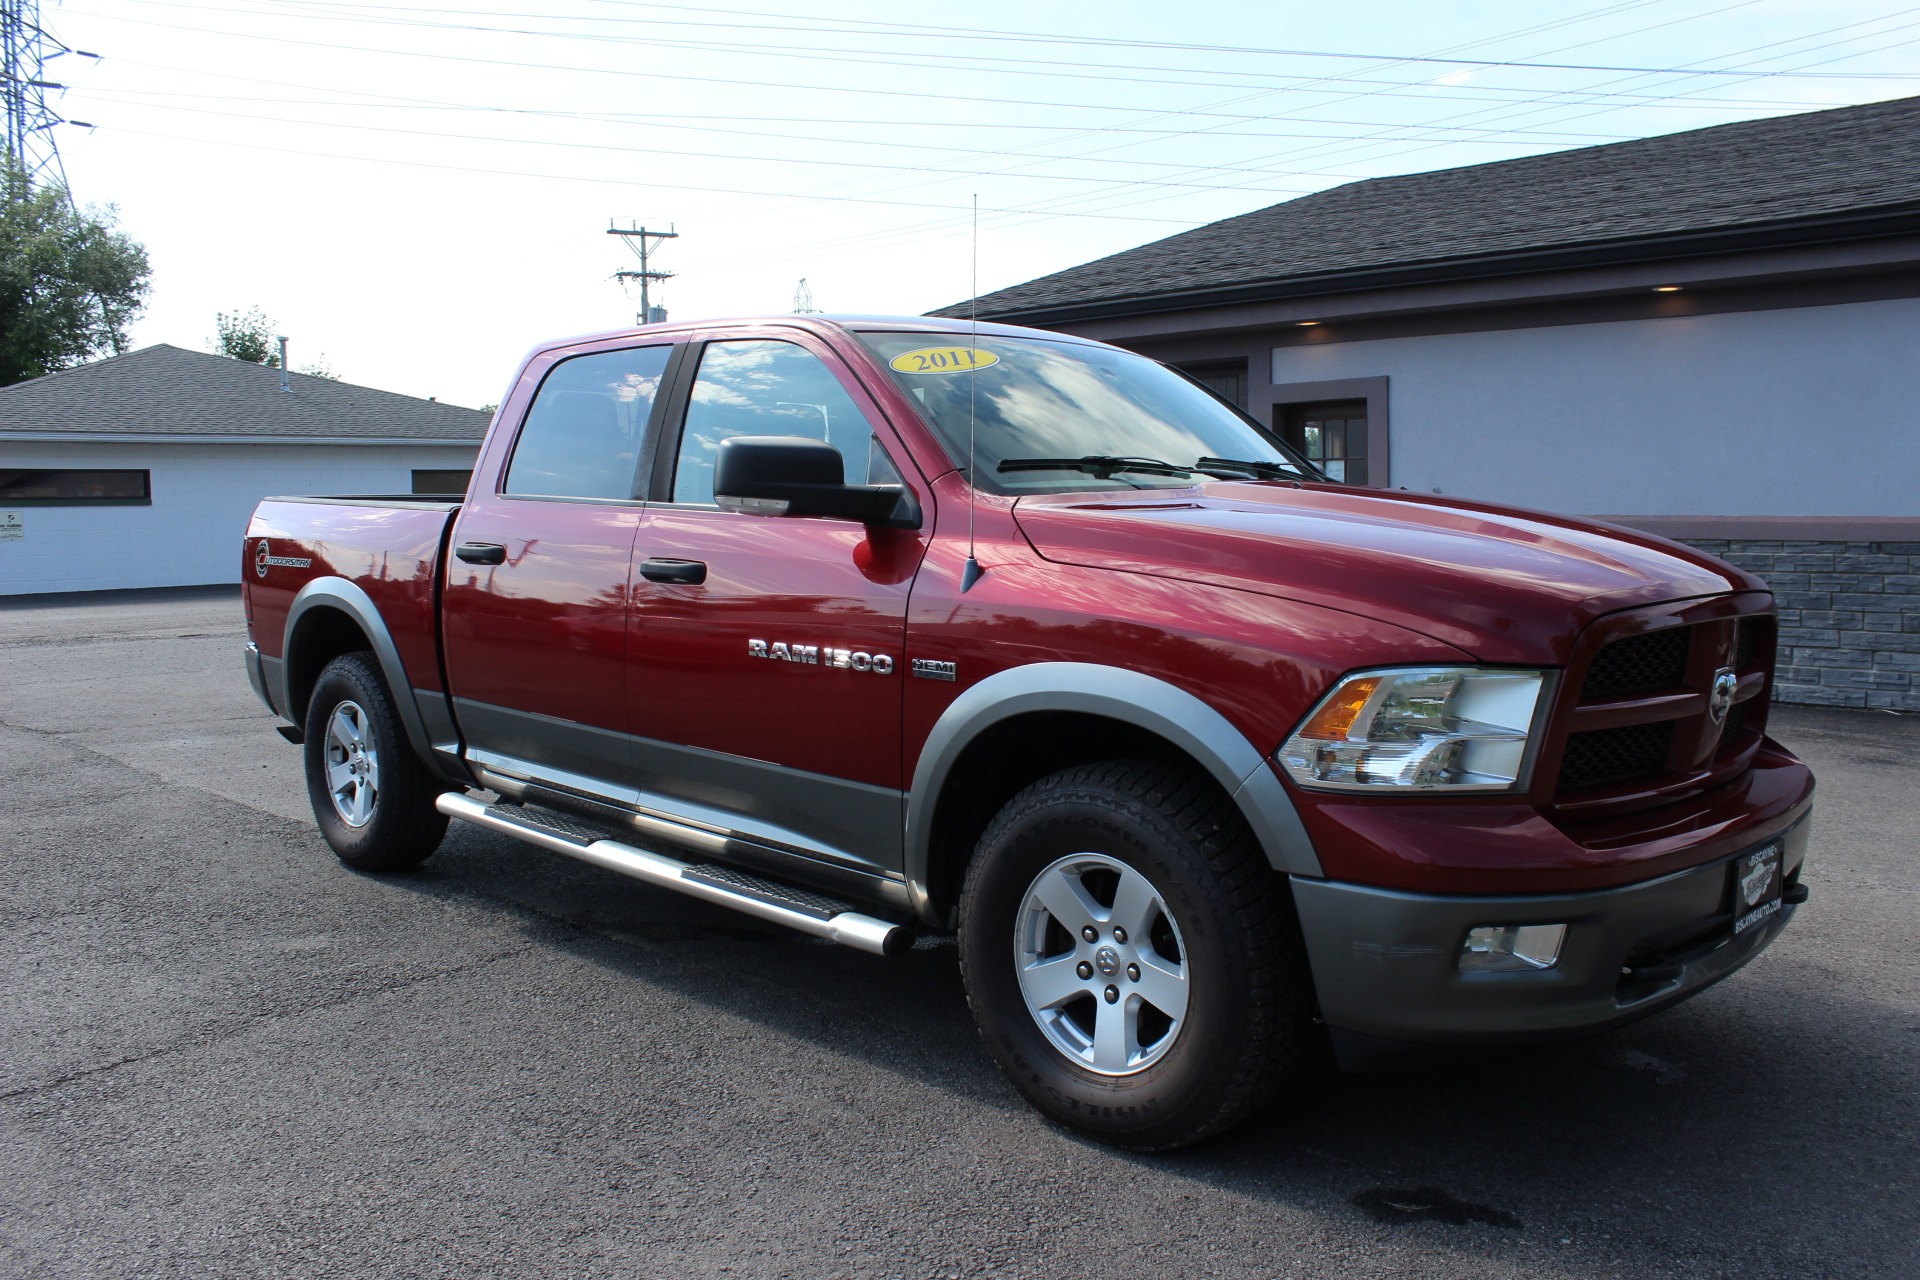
(224, 1054)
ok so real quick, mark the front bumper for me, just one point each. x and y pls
(1386, 962)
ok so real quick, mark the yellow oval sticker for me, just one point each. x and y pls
(943, 360)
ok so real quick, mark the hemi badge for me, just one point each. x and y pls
(934, 669)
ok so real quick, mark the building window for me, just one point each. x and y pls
(74, 488)
(1332, 434)
(1226, 380)
(441, 482)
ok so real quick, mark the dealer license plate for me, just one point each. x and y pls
(1756, 888)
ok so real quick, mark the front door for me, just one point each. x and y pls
(767, 695)
(536, 599)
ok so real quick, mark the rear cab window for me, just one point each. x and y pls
(585, 431)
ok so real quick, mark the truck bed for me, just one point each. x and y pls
(389, 545)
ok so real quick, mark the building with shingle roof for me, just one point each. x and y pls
(1711, 335)
(141, 470)
(1809, 179)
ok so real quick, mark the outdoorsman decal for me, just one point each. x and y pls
(263, 557)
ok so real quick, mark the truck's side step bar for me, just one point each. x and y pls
(796, 908)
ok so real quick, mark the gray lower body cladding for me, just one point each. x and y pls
(1386, 963)
(258, 676)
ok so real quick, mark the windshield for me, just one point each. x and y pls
(1054, 416)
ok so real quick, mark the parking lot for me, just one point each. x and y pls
(223, 1054)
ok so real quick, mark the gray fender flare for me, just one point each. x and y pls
(339, 593)
(1117, 694)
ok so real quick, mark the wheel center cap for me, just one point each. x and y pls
(1107, 961)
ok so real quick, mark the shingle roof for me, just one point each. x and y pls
(1745, 175)
(168, 391)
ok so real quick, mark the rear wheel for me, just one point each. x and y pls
(372, 797)
(1130, 955)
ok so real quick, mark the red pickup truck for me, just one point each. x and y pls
(876, 627)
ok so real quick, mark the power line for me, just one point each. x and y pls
(1088, 203)
(1341, 80)
(703, 155)
(672, 120)
(1548, 102)
(917, 31)
(1061, 205)
(600, 179)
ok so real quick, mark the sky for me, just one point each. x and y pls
(416, 193)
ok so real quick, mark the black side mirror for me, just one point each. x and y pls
(795, 476)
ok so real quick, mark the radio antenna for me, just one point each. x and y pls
(971, 574)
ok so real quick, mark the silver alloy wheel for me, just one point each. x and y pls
(353, 766)
(1096, 975)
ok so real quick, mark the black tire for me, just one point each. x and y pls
(398, 827)
(1248, 1001)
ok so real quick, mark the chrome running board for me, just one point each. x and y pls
(749, 894)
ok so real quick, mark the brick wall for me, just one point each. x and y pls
(1849, 618)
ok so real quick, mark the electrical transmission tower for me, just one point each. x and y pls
(803, 300)
(25, 51)
(642, 242)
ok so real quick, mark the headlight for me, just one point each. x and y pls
(1451, 728)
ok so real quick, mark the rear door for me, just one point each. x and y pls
(768, 693)
(536, 600)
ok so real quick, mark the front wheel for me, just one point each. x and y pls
(371, 796)
(1130, 955)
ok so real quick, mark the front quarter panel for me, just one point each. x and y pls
(1221, 674)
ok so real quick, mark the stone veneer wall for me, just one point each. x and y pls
(1849, 618)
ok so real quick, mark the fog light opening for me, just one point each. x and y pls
(1512, 948)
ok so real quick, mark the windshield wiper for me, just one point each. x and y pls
(1105, 466)
(1242, 467)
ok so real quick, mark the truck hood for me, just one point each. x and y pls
(1502, 584)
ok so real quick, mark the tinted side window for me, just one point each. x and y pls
(583, 434)
(769, 388)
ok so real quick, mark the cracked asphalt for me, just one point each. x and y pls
(223, 1054)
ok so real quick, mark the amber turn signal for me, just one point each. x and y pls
(1334, 720)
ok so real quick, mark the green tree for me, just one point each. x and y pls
(70, 284)
(246, 335)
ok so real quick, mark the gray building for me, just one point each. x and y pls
(141, 470)
(1712, 335)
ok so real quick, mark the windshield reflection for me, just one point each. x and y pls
(1030, 398)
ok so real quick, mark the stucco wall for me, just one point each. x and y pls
(1802, 411)
(202, 496)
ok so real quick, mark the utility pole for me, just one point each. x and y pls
(25, 51)
(643, 241)
(803, 300)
